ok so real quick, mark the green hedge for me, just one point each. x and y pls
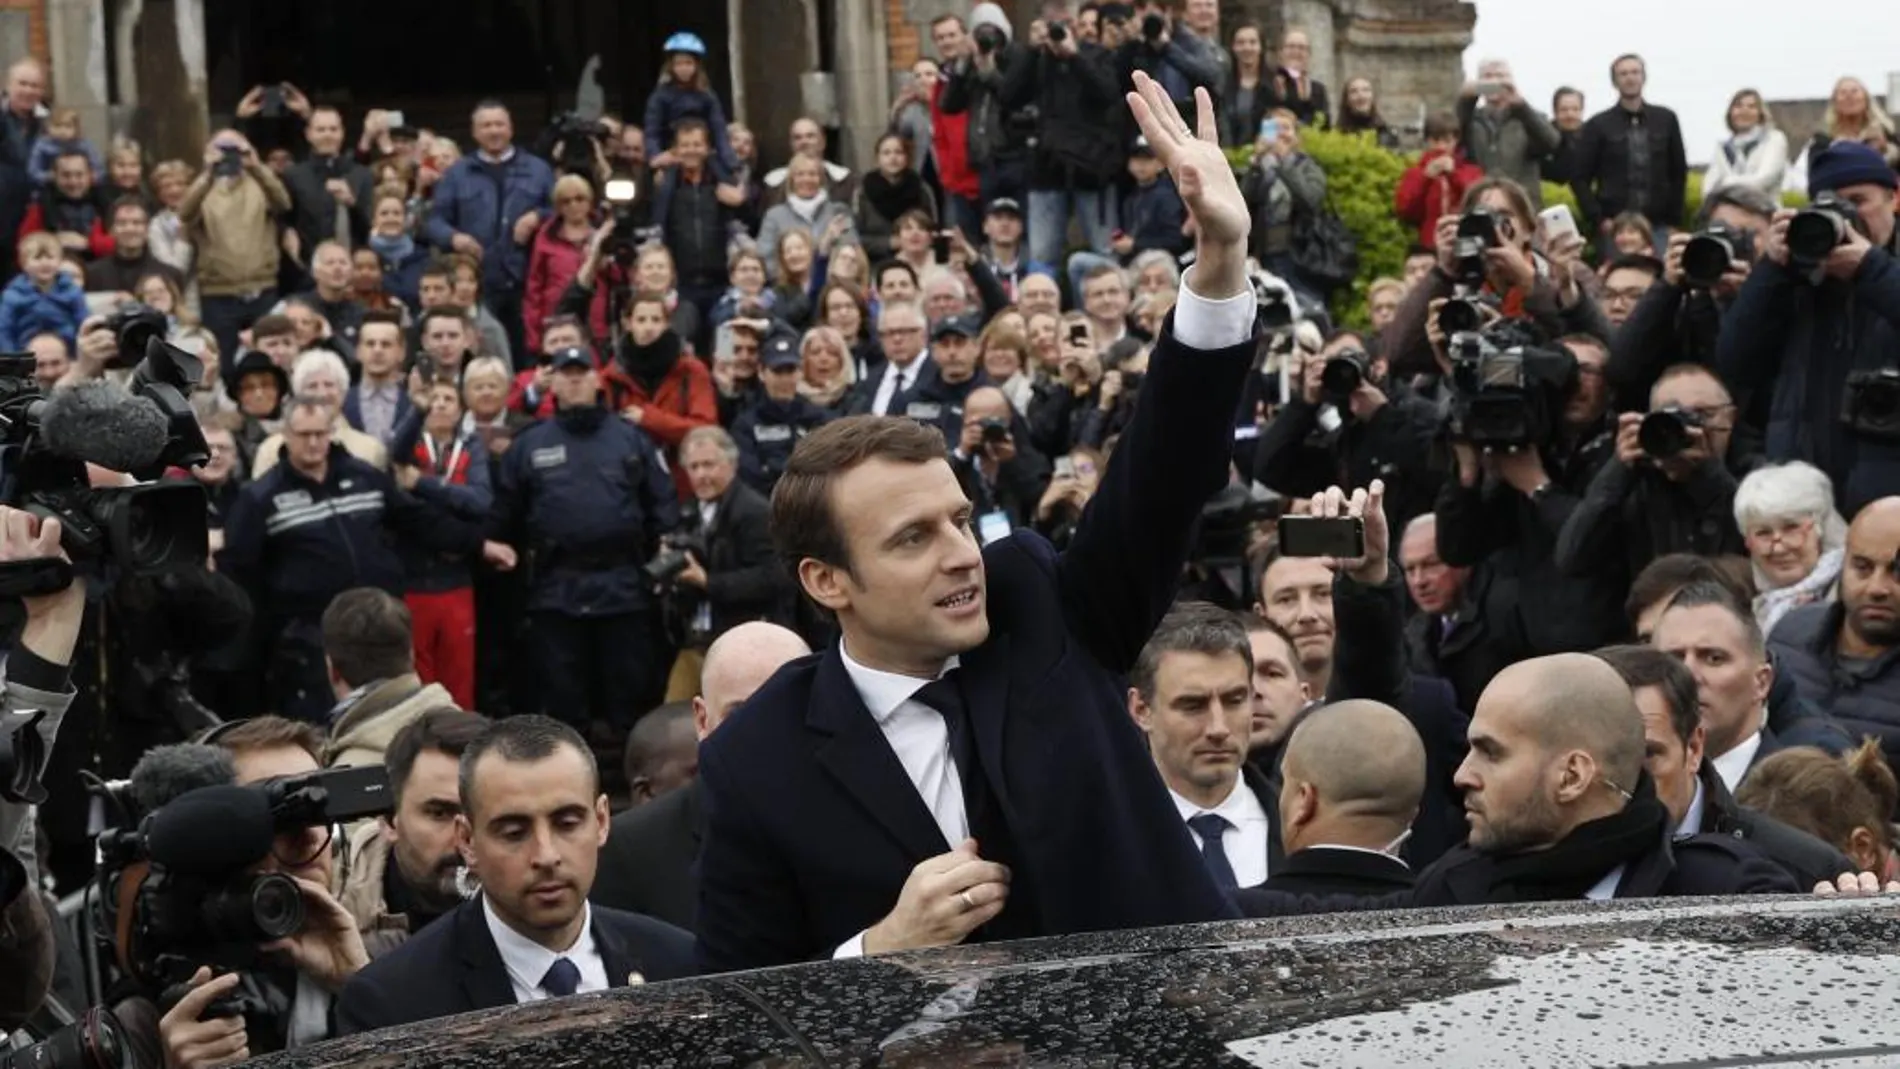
(1363, 180)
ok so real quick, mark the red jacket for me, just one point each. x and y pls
(684, 399)
(1423, 201)
(950, 140)
(99, 240)
(553, 261)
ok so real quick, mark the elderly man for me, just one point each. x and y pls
(647, 864)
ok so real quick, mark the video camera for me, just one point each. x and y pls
(576, 136)
(1478, 232)
(1508, 391)
(180, 887)
(1870, 405)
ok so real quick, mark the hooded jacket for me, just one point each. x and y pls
(364, 723)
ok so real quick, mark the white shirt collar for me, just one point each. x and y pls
(503, 158)
(527, 961)
(1358, 850)
(881, 691)
(1605, 888)
(1692, 817)
(1237, 808)
(1733, 765)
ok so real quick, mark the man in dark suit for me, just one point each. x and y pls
(532, 823)
(907, 365)
(1191, 694)
(962, 763)
(1353, 775)
(738, 578)
(647, 864)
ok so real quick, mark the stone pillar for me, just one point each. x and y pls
(166, 57)
(779, 47)
(861, 66)
(1316, 18)
(76, 44)
(1417, 65)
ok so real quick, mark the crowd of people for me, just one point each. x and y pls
(515, 465)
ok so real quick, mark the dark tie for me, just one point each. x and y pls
(944, 696)
(1210, 827)
(563, 978)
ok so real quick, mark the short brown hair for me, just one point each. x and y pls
(275, 325)
(271, 733)
(366, 635)
(444, 729)
(804, 521)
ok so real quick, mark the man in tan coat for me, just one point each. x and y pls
(369, 651)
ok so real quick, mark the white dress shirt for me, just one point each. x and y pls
(528, 961)
(916, 732)
(896, 380)
(1605, 888)
(1692, 817)
(1733, 765)
(1245, 840)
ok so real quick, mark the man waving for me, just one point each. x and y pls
(961, 764)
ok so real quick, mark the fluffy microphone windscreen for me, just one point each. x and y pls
(212, 831)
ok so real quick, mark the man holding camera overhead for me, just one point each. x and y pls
(1817, 328)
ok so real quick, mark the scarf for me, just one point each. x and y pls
(1575, 863)
(893, 197)
(396, 249)
(824, 396)
(648, 365)
(806, 208)
(1738, 147)
(1772, 605)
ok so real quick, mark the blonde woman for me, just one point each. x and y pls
(826, 371)
(1755, 154)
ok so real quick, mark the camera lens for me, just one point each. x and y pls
(254, 910)
(1705, 259)
(95, 1041)
(1459, 316)
(1342, 375)
(1058, 32)
(1814, 233)
(1153, 26)
(1663, 434)
(276, 906)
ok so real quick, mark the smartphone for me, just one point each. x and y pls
(940, 246)
(230, 161)
(396, 119)
(1065, 468)
(271, 104)
(1486, 89)
(1343, 537)
(1269, 129)
(1078, 334)
(426, 367)
(1558, 222)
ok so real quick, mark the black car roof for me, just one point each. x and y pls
(1714, 982)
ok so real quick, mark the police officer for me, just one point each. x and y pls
(768, 430)
(957, 356)
(317, 524)
(588, 496)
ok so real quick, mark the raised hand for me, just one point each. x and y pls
(1205, 182)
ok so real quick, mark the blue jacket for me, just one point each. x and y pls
(1797, 343)
(1153, 214)
(812, 826)
(588, 494)
(766, 434)
(295, 543)
(671, 102)
(1863, 698)
(483, 200)
(26, 310)
(459, 485)
(402, 276)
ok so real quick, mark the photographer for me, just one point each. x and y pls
(1670, 487)
(999, 135)
(1509, 503)
(297, 978)
(1004, 478)
(1488, 256)
(1180, 62)
(718, 571)
(1341, 419)
(1816, 326)
(1680, 317)
(1078, 143)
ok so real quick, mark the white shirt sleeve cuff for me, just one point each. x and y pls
(850, 948)
(1203, 324)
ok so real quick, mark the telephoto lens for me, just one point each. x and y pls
(256, 909)
(1817, 229)
(1664, 433)
(1344, 373)
(95, 1041)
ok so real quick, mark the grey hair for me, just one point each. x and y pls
(896, 306)
(1747, 198)
(1794, 489)
(316, 360)
(717, 436)
(1145, 260)
(938, 275)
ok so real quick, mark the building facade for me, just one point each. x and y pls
(169, 71)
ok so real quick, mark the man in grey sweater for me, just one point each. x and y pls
(1501, 131)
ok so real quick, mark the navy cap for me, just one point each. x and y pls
(572, 356)
(962, 325)
(781, 350)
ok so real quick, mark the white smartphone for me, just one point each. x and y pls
(396, 120)
(1557, 222)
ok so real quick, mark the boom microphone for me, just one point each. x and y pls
(212, 831)
(167, 773)
(99, 423)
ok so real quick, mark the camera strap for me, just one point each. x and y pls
(34, 578)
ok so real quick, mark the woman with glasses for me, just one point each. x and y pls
(1795, 538)
(555, 258)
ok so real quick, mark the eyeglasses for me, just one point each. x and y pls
(898, 332)
(306, 845)
(1611, 784)
(1786, 532)
(1624, 296)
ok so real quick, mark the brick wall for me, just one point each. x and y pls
(36, 28)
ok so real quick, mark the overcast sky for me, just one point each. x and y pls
(1699, 51)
